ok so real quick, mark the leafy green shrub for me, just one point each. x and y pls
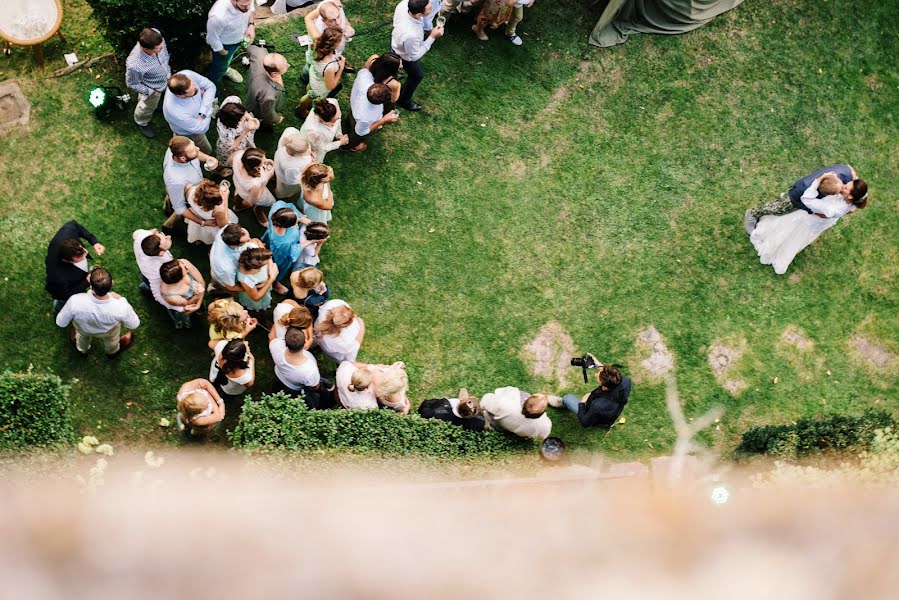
(811, 435)
(34, 411)
(181, 22)
(278, 421)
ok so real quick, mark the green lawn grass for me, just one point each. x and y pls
(604, 191)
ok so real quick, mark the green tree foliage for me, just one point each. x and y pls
(280, 422)
(811, 435)
(181, 22)
(34, 411)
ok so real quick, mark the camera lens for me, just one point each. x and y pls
(577, 362)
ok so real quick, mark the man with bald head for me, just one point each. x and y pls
(265, 88)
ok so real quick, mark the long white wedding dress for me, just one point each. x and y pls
(778, 239)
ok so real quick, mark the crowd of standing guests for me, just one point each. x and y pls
(291, 195)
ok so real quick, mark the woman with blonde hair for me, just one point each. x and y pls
(339, 331)
(252, 172)
(316, 193)
(200, 408)
(309, 289)
(325, 70)
(228, 320)
(361, 385)
(289, 313)
(208, 201)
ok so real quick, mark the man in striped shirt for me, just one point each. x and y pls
(147, 72)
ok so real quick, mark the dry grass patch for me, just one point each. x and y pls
(549, 353)
(655, 359)
(723, 360)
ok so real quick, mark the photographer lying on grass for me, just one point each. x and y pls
(602, 406)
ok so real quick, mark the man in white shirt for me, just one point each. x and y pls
(329, 13)
(296, 370)
(367, 102)
(517, 412)
(187, 107)
(406, 41)
(181, 166)
(293, 155)
(230, 22)
(99, 314)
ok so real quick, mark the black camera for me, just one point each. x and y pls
(585, 362)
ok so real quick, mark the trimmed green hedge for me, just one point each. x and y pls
(280, 422)
(181, 22)
(812, 435)
(34, 411)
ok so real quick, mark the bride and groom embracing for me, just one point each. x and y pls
(782, 228)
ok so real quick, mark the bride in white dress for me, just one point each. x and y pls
(778, 239)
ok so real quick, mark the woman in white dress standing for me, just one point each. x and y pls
(339, 331)
(207, 200)
(323, 128)
(778, 239)
(252, 172)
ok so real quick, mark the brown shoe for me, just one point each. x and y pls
(125, 342)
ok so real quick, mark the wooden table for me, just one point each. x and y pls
(30, 23)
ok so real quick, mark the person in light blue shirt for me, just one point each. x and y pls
(188, 107)
(229, 243)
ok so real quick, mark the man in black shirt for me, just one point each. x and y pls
(602, 406)
(67, 263)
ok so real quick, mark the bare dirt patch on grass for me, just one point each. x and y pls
(796, 337)
(656, 360)
(549, 353)
(873, 352)
(798, 351)
(722, 360)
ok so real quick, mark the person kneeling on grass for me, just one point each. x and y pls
(200, 408)
(296, 370)
(602, 406)
(464, 411)
(517, 412)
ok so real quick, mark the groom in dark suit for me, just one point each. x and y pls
(791, 200)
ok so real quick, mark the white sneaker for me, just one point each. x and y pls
(515, 39)
(554, 401)
(236, 77)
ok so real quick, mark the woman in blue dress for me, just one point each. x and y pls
(283, 238)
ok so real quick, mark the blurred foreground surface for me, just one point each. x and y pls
(207, 525)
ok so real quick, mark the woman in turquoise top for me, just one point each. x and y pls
(256, 272)
(316, 194)
(283, 238)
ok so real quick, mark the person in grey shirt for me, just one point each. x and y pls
(147, 72)
(265, 88)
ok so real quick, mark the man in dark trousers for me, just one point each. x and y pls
(602, 406)
(67, 263)
(791, 200)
